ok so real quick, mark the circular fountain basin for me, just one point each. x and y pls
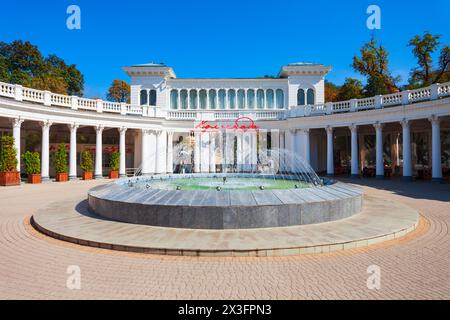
(243, 201)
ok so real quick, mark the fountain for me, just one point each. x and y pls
(278, 189)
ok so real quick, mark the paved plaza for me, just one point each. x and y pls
(34, 266)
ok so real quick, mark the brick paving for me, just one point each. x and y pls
(33, 266)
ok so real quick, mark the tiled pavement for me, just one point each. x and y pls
(34, 266)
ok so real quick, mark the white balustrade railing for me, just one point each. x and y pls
(20, 93)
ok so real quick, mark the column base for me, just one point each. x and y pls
(436, 180)
(98, 177)
(407, 178)
(354, 175)
(73, 178)
(45, 179)
(122, 176)
(330, 175)
(379, 176)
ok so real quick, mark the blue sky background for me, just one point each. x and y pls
(234, 38)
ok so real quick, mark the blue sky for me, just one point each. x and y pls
(234, 38)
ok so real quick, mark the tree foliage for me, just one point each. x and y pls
(351, 89)
(119, 91)
(114, 161)
(374, 64)
(22, 63)
(60, 159)
(87, 165)
(331, 92)
(8, 155)
(32, 162)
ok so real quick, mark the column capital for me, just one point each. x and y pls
(329, 129)
(405, 123)
(99, 129)
(146, 131)
(378, 126)
(123, 130)
(353, 128)
(434, 119)
(292, 131)
(170, 132)
(46, 124)
(73, 126)
(17, 122)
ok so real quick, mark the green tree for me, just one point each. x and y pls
(114, 161)
(374, 64)
(87, 165)
(119, 91)
(32, 162)
(22, 63)
(423, 48)
(60, 159)
(8, 155)
(351, 89)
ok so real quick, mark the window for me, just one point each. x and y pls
(212, 99)
(193, 99)
(222, 99)
(241, 99)
(174, 99)
(144, 97)
(152, 97)
(203, 99)
(269, 95)
(184, 99)
(280, 99)
(251, 99)
(310, 97)
(301, 97)
(232, 99)
(260, 99)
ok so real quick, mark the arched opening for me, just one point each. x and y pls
(311, 99)
(144, 98)
(174, 99)
(301, 97)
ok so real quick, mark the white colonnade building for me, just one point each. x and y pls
(195, 125)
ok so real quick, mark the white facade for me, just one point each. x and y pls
(289, 113)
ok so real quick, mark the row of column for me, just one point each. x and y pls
(45, 152)
(407, 158)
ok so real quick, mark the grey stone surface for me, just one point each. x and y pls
(212, 209)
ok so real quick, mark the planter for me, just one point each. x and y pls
(62, 177)
(34, 178)
(9, 179)
(114, 175)
(87, 175)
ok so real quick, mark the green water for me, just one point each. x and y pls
(230, 184)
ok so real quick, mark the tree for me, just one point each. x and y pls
(8, 155)
(351, 89)
(374, 64)
(119, 91)
(423, 48)
(331, 92)
(60, 160)
(22, 63)
(87, 164)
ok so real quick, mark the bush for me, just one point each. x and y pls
(8, 155)
(87, 165)
(32, 162)
(114, 162)
(60, 160)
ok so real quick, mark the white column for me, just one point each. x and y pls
(379, 150)
(204, 152)
(17, 125)
(436, 148)
(197, 142)
(99, 153)
(152, 155)
(123, 152)
(45, 150)
(254, 150)
(330, 151)
(306, 148)
(275, 146)
(145, 153)
(290, 146)
(169, 162)
(73, 152)
(407, 162)
(262, 143)
(239, 150)
(160, 152)
(212, 152)
(355, 152)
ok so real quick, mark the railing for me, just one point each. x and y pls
(20, 93)
(433, 92)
